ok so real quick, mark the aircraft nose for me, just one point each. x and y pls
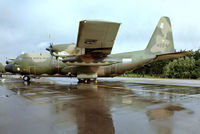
(9, 68)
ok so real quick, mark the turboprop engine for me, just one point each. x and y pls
(65, 50)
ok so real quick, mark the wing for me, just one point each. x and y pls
(97, 37)
(94, 43)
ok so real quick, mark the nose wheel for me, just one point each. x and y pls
(26, 78)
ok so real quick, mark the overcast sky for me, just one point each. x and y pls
(26, 24)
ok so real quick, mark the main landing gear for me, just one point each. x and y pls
(87, 81)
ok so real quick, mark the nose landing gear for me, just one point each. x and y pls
(26, 78)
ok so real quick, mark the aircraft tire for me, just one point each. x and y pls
(26, 78)
(94, 80)
(80, 80)
(83, 81)
(86, 81)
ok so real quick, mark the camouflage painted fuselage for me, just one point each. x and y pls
(43, 64)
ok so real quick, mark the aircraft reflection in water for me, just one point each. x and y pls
(91, 56)
(79, 105)
(96, 108)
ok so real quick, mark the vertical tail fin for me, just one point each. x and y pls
(161, 41)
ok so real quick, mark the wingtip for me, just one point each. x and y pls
(98, 21)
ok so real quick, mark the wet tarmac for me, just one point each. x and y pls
(117, 105)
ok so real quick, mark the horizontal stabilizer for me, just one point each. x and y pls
(173, 55)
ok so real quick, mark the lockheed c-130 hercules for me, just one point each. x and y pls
(91, 56)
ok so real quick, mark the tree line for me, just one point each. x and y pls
(187, 67)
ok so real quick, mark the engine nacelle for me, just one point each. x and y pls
(65, 50)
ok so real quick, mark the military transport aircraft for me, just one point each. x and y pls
(91, 56)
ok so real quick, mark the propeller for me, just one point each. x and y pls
(50, 48)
